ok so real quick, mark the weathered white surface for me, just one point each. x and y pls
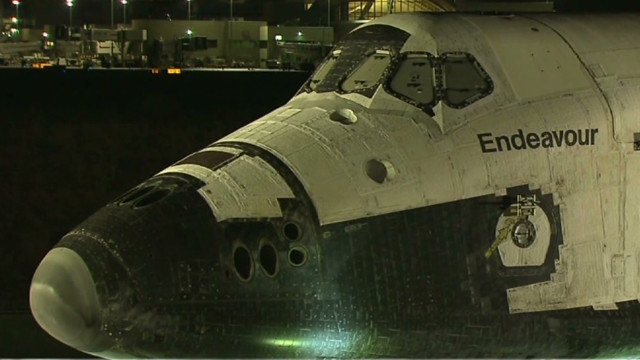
(590, 34)
(329, 158)
(247, 187)
(198, 171)
(551, 73)
(624, 98)
(536, 60)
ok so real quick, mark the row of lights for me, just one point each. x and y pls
(124, 12)
(278, 37)
(17, 4)
(70, 5)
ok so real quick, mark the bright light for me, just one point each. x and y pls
(14, 20)
(278, 37)
(285, 342)
(123, 2)
(16, 2)
(69, 3)
(299, 33)
(189, 32)
(45, 34)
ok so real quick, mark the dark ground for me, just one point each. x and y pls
(71, 141)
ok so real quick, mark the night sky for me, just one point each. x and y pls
(42, 12)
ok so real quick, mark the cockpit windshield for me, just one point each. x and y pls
(455, 78)
(368, 73)
(414, 78)
(463, 81)
(372, 46)
(371, 57)
(322, 72)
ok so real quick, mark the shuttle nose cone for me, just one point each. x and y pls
(64, 301)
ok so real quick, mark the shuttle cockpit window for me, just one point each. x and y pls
(359, 61)
(463, 80)
(368, 74)
(414, 79)
(322, 72)
(423, 80)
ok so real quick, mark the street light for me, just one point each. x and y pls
(189, 17)
(17, 4)
(70, 5)
(124, 12)
(230, 31)
(112, 18)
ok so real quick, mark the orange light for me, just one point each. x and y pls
(174, 71)
(155, 71)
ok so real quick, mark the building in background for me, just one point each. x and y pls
(242, 33)
(296, 47)
(210, 42)
(237, 43)
(359, 10)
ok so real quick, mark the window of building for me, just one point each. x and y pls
(245, 44)
(212, 43)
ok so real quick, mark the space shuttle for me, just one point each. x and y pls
(444, 185)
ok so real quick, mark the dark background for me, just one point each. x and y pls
(72, 141)
(39, 12)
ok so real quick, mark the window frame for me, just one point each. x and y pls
(369, 91)
(479, 69)
(334, 54)
(395, 61)
(433, 60)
